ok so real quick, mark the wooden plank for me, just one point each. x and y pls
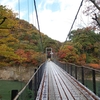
(51, 90)
(45, 87)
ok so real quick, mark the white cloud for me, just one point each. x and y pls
(49, 1)
(53, 24)
(57, 24)
(9, 3)
(14, 5)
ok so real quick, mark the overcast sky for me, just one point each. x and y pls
(55, 16)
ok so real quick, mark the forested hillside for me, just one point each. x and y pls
(82, 48)
(20, 41)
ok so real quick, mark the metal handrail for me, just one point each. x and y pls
(20, 92)
(69, 70)
(84, 66)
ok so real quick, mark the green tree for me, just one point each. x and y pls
(87, 42)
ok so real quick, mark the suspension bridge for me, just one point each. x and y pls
(59, 81)
(54, 80)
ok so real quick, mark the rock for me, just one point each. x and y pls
(16, 73)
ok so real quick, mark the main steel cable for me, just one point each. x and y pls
(38, 26)
(19, 8)
(74, 20)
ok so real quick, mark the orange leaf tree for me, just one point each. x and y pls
(68, 53)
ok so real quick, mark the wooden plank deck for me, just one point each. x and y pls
(59, 85)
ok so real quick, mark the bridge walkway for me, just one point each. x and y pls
(57, 84)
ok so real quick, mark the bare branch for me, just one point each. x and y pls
(3, 20)
(96, 19)
(93, 1)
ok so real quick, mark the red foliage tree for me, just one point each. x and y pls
(67, 53)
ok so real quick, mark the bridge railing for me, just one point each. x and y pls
(29, 92)
(89, 77)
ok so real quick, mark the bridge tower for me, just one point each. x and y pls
(49, 53)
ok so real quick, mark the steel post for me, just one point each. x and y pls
(76, 72)
(82, 75)
(94, 82)
(13, 94)
(35, 85)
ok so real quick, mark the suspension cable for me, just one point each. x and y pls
(38, 26)
(19, 7)
(74, 19)
(28, 9)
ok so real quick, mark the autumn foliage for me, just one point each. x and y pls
(20, 41)
(29, 58)
(67, 53)
(83, 48)
(97, 66)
